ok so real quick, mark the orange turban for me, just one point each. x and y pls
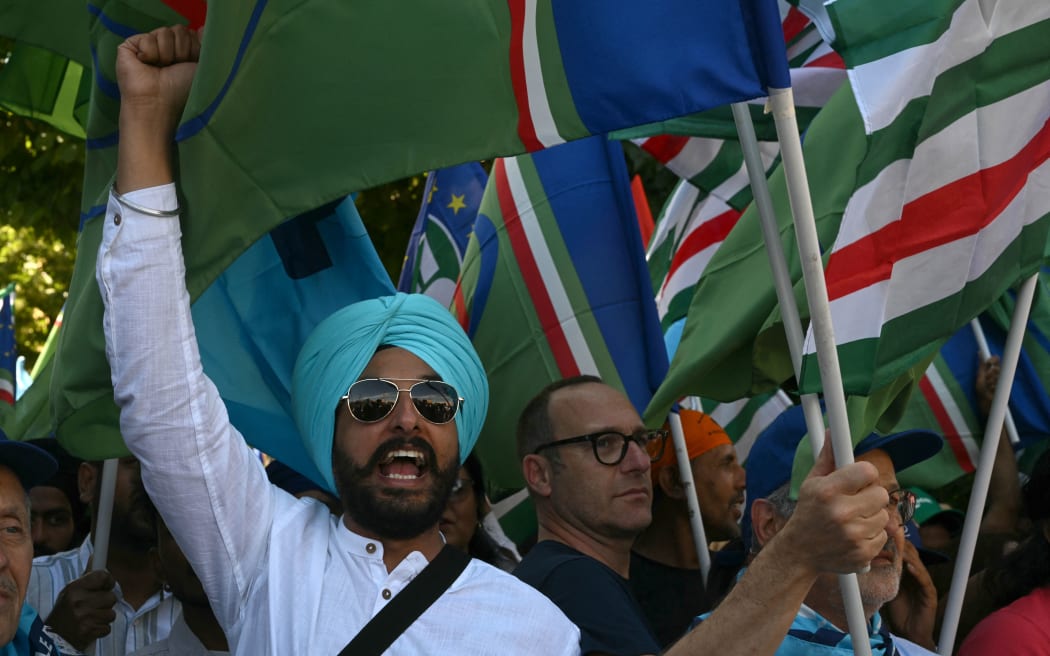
(701, 435)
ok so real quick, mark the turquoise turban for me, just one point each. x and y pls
(340, 347)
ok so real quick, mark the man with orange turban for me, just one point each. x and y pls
(665, 570)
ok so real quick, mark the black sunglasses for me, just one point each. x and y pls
(372, 399)
(610, 447)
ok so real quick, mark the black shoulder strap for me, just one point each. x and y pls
(409, 604)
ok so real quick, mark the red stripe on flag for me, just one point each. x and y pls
(665, 147)
(526, 130)
(710, 232)
(5, 397)
(964, 206)
(793, 24)
(193, 11)
(641, 209)
(530, 273)
(830, 60)
(951, 435)
(459, 307)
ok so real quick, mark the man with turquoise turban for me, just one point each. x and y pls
(388, 395)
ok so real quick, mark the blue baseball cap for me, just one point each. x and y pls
(772, 457)
(32, 465)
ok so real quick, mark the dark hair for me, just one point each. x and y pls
(482, 546)
(1028, 566)
(66, 480)
(534, 424)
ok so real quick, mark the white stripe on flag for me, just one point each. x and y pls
(687, 273)
(813, 86)
(854, 315)
(805, 41)
(954, 413)
(535, 88)
(762, 418)
(675, 217)
(581, 352)
(883, 87)
(696, 156)
(1002, 130)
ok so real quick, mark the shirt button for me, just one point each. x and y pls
(116, 219)
(370, 548)
(386, 593)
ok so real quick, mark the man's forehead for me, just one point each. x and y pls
(591, 407)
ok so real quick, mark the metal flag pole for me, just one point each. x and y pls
(979, 494)
(982, 348)
(696, 521)
(100, 540)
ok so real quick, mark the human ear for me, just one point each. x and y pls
(670, 481)
(537, 472)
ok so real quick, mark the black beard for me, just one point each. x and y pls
(393, 513)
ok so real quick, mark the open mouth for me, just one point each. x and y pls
(404, 464)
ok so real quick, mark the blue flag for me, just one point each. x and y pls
(439, 239)
(555, 284)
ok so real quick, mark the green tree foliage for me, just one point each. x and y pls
(40, 181)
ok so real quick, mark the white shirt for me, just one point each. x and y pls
(284, 576)
(180, 642)
(132, 629)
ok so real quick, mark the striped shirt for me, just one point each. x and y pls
(132, 629)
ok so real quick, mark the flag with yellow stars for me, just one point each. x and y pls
(439, 238)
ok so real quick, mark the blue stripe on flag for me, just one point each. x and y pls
(197, 123)
(588, 188)
(735, 49)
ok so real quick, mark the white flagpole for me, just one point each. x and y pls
(696, 521)
(781, 278)
(979, 494)
(982, 348)
(783, 109)
(100, 540)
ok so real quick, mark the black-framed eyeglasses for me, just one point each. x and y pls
(610, 447)
(903, 502)
(372, 399)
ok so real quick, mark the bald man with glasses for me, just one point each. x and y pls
(586, 458)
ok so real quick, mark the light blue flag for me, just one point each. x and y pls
(252, 321)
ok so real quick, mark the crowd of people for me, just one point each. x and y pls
(398, 551)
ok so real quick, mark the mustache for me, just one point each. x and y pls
(8, 585)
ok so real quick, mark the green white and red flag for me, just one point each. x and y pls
(693, 225)
(744, 419)
(952, 201)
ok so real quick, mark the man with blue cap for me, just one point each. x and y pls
(821, 623)
(21, 467)
(388, 394)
